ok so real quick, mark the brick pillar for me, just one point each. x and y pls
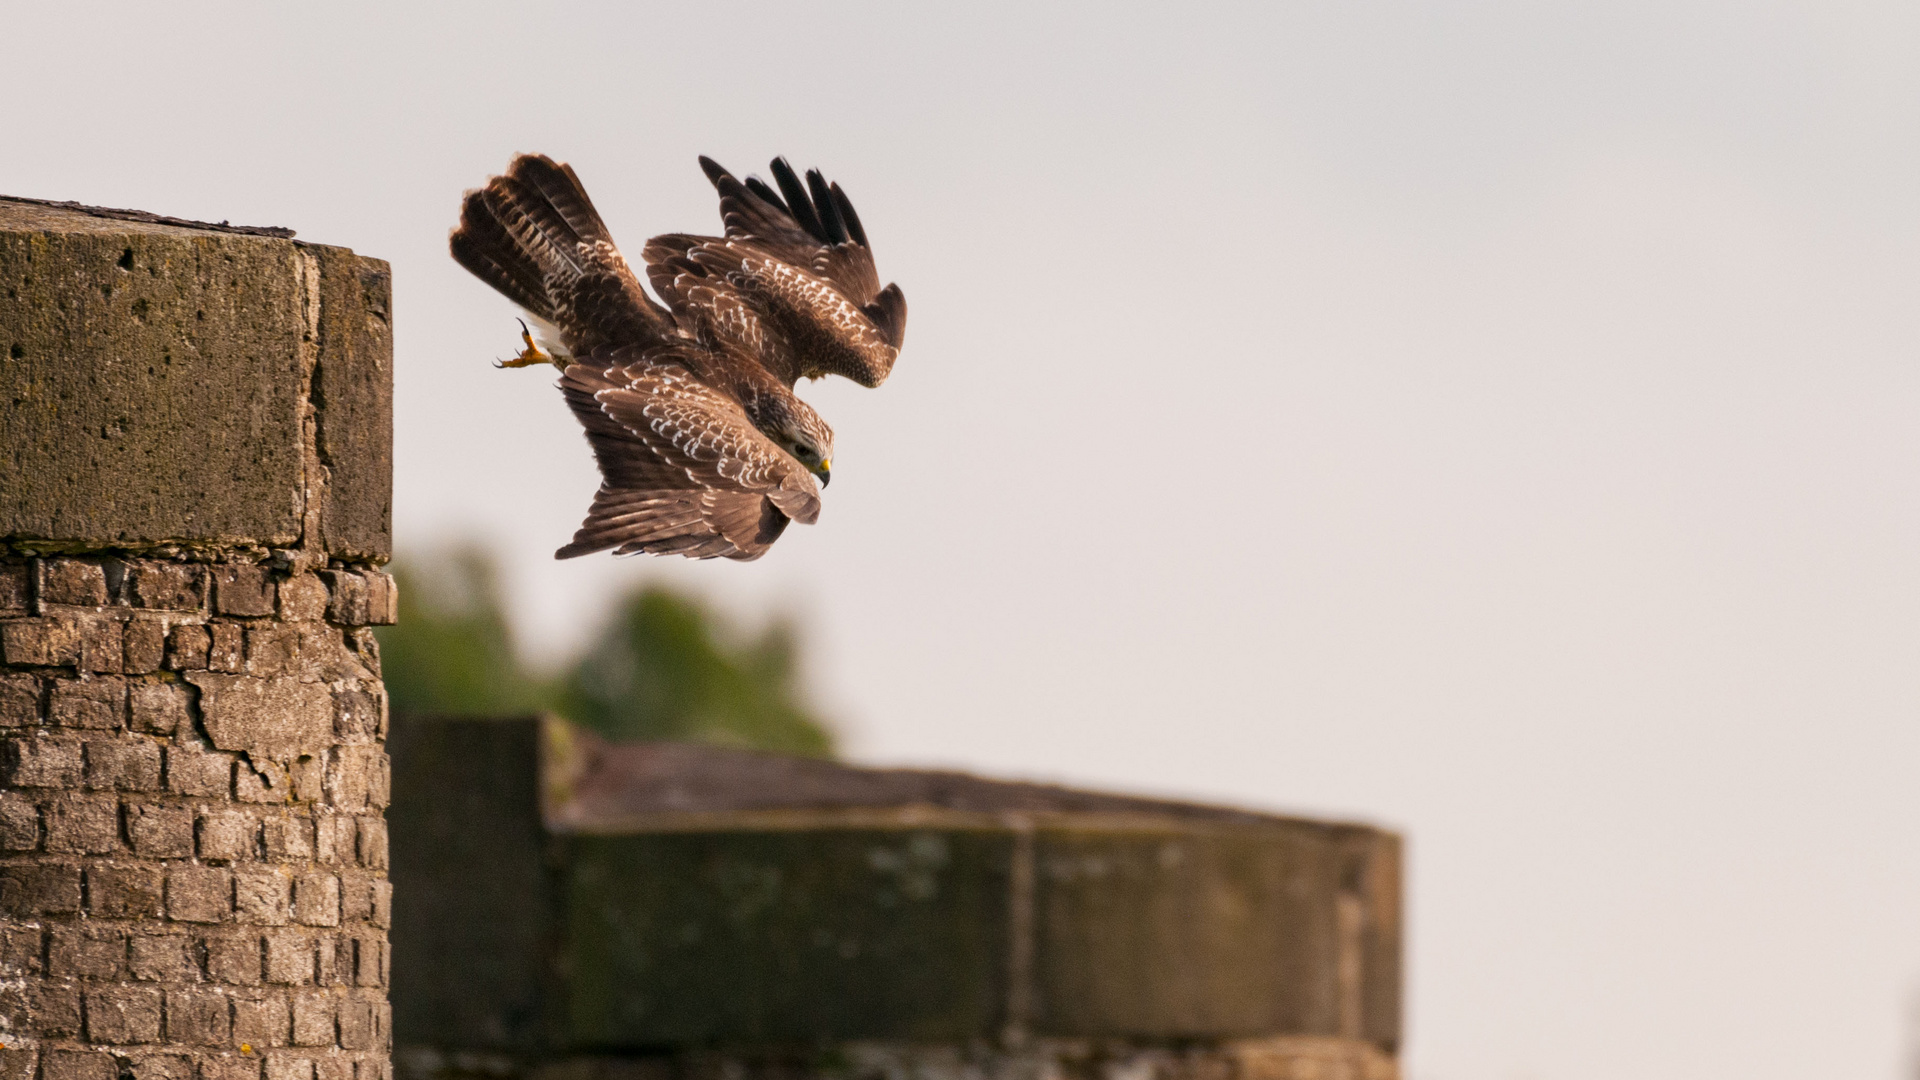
(195, 486)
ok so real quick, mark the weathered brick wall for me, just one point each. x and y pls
(191, 821)
(193, 859)
(194, 852)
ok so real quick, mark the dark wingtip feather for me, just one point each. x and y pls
(767, 195)
(715, 173)
(784, 175)
(798, 203)
(836, 230)
(845, 206)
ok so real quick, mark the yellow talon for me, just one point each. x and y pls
(530, 355)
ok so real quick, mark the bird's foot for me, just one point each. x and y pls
(530, 355)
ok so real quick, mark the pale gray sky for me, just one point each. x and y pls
(1490, 419)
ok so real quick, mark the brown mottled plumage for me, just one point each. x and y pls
(703, 448)
(793, 280)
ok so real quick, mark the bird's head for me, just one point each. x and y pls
(800, 432)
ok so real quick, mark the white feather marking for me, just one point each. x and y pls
(547, 336)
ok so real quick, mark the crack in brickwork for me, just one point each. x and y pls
(193, 859)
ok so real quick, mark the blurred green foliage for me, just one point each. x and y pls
(663, 666)
(452, 651)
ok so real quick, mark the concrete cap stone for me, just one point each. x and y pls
(156, 377)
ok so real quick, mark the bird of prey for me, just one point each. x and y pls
(703, 448)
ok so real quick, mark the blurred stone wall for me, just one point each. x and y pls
(195, 490)
(572, 909)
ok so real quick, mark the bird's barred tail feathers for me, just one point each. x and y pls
(523, 232)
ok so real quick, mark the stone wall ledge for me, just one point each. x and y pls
(578, 898)
(188, 389)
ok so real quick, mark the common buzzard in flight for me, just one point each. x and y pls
(703, 448)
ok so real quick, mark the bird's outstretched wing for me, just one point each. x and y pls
(533, 234)
(793, 280)
(684, 471)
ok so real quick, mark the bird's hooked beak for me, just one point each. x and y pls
(824, 471)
